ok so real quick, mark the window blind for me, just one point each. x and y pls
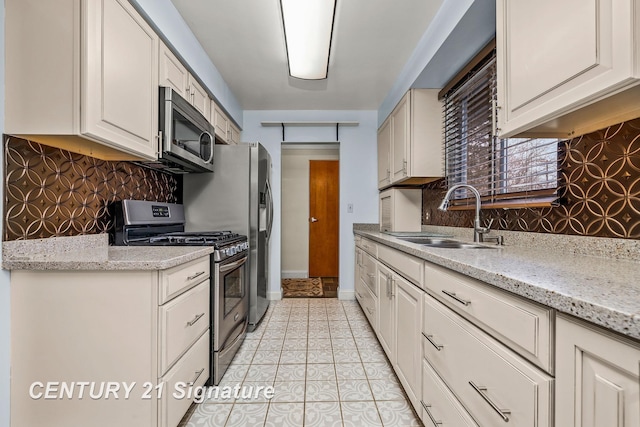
(507, 172)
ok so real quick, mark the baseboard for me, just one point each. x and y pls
(274, 295)
(295, 274)
(347, 294)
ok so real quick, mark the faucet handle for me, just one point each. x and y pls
(489, 225)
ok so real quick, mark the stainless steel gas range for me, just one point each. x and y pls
(145, 223)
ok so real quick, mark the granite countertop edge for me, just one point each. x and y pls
(92, 253)
(590, 301)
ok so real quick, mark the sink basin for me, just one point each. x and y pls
(452, 244)
(443, 243)
(419, 234)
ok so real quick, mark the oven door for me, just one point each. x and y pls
(231, 308)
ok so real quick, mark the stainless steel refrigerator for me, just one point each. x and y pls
(237, 197)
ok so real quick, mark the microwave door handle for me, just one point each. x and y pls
(210, 159)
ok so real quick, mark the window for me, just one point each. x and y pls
(512, 172)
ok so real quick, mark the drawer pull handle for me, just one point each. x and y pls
(195, 319)
(198, 274)
(372, 276)
(482, 392)
(457, 298)
(370, 311)
(198, 373)
(433, 420)
(433, 343)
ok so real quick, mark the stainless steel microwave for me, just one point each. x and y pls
(186, 138)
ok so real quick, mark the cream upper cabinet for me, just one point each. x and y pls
(198, 97)
(559, 63)
(384, 154)
(83, 75)
(226, 131)
(408, 300)
(172, 73)
(175, 75)
(400, 140)
(598, 377)
(410, 140)
(234, 134)
(400, 209)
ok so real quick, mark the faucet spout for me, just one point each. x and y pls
(478, 230)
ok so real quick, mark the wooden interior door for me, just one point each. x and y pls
(324, 218)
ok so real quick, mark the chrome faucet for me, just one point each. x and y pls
(478, 230)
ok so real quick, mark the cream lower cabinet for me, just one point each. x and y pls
(567, 67)
(408, 308)
(83, 76)
(147, 331)
(386, 331)
(598, 377)
(494, 384)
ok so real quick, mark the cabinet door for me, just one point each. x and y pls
(234, 134)
(597, 378)
(358, 268)
(384, 154)
(387, 319)
(400, 139)
(172, 73)
(198, 97)
(408, 300)
(220, 123)
(119, 78)
(554, 57)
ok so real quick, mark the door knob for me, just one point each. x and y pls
(312, 219)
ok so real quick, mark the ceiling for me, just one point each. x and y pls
(372, 41)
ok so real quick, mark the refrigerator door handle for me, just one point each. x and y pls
(270, 220)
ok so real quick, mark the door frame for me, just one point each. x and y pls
(286, 271)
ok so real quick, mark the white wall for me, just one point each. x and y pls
(358, 175)
(295, 207)
(5, 301)
(168, 21)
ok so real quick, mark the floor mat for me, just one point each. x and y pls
(302, 288)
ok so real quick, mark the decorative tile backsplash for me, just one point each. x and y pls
(51, 192)
(600, 183)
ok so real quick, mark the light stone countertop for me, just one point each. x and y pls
(601, 290)
(92, 252)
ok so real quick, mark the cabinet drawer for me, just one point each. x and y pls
(492, 382)
(182, 321)
(368, 302)
(409, 266)
(192, 370)
(524, 326)
(369, 272)
(369, 246)
(439, 405)
(178, 279)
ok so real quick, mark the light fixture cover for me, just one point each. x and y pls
(308, 25)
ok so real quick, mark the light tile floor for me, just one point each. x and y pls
(325, 364)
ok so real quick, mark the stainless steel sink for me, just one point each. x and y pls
(443, 243)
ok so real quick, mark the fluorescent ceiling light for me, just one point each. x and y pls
(308, 25)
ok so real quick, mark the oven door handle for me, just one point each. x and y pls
(235, 337)
(232, 266)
